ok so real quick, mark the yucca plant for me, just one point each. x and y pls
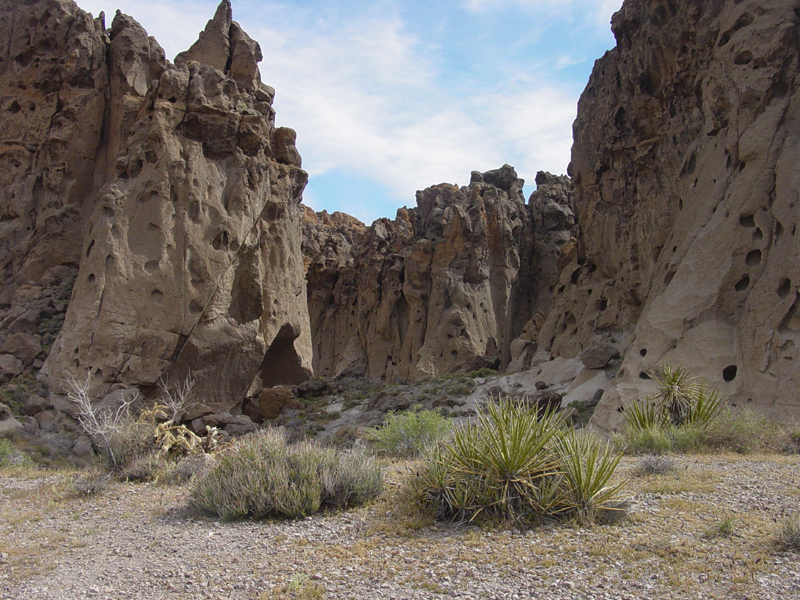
(513, 464)
(707, 405)
(588, 464)
(645, 415)
(677, 394)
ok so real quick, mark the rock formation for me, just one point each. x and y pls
(685, 168)
(163, 191)
(446, 286)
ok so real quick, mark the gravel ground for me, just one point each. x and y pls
(704, 531)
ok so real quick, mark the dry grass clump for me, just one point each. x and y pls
(788, 537)
(655, 464)
(91, 483)
(262, 475)
(513, 464)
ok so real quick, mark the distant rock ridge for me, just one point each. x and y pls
(164, 192)
(447, 286)
(686, 191)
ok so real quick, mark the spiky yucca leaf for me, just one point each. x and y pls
(589, 463)
(676, 394)
(645, 415)
(708, 403)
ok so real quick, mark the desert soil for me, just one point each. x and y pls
(705, 531)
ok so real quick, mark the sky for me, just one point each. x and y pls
(392, 96)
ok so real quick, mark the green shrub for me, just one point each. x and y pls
(680, 400)
(741, 430)
(11, 456)
(409, 433)
(512, 464)
(656, 439)
(262, 475)
(788, 537)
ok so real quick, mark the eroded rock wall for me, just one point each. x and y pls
(167, 193)
(685, 160)
(446, 286)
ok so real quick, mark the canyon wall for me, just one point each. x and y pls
(162, 195)
(684, 162)
(447, 286)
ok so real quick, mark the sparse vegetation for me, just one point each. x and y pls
(410, 433)
(688, 416)
(788, 537)
(514, 465)
(655, 464)
(724, 528)
(146, 447)
(262, 475)
(11, 456)
(300, 587)
(91, 483)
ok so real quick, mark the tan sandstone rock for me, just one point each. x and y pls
(685, 166)
(170, 191)
(446, 286)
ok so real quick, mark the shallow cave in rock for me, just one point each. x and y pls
(282, 365)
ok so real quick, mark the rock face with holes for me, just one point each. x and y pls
(446, 286)
(166, 188)
(687, 194)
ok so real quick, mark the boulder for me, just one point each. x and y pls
(8, 424)
(10, 367)
(599, 355)
(24, 346)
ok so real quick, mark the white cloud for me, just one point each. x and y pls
(370, 104)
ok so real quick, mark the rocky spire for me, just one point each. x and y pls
(213, 47)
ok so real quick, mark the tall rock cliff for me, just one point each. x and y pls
(164, 190)
(446, 286)
(685, 160)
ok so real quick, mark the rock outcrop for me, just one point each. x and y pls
(447, 286)
(163, 196)
(685, 168)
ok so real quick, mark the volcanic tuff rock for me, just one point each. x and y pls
(164, 191)
(685, 160)
(446, 286)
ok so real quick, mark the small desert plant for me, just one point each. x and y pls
(262, 475)
(409, 433)
(91, 483)
(588, 464)
(680, 400)
(741, 430)
(514, 464)
(725, 528)
(788, 536)
(10, 456)
(114, 431)
(193, 466)
(298, 588)
(655, 464)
